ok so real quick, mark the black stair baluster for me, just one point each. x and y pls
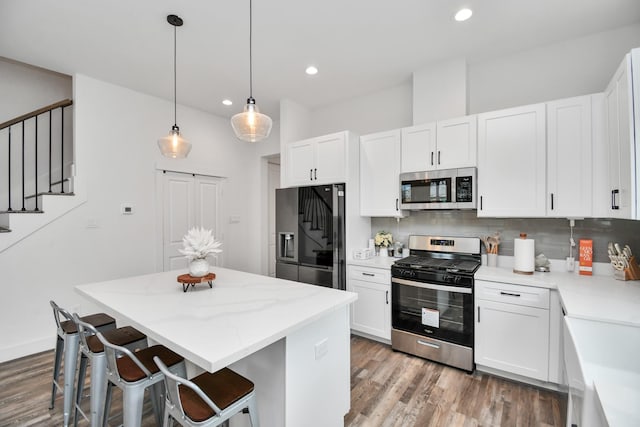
(62, 150)
(50, 151)
(23, 208)
(9, 158)
(36, 166)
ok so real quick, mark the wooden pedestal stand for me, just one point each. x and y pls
(630, 273)
(187, 279)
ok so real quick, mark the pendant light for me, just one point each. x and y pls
(251, 125)
(174, 145)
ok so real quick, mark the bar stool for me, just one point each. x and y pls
(67, 342)
(133, 374)
(92, 350)
(209, 399)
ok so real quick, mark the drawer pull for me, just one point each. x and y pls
(509, 294)
(428, 344)
(368, 274)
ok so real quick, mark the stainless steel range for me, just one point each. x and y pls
(432, 299)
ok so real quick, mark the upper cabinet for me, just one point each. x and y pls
(620, 137)
(320, 160)
(511, 162)
(443, 145)
(569, 158)
(379, 174)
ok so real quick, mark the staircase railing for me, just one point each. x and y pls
(19, 124)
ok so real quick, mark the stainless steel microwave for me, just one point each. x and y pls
(439, 189)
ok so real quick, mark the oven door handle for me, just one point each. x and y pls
(432, 286)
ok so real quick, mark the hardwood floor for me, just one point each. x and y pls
(387, 389)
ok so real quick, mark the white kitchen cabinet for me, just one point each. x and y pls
(512, 162)
(418, 148)
(320, 160)
(620, 137)
(446, 144)
(569, 158)
(512, 329)
(371, 312)
(380, 174)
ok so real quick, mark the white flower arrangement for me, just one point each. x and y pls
(384, 239)
(198, 243)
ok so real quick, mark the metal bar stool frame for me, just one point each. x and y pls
(67, 343)
(173, 405)
(133, 392)
(98, 380)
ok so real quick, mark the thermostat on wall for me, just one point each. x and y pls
(126, 209)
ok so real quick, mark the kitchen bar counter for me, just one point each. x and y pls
(283, 335)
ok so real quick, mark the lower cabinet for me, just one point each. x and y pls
(512, 328)
(371, 313)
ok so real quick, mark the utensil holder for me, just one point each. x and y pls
(630, 273)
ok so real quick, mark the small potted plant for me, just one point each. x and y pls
(198, 244)
(383, 240)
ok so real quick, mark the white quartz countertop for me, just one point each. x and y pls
(215, 327)
(600, 297)
(376, 262)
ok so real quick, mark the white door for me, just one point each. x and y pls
(187, 201)
(331, 158)
(379, 174)
(301, 162)
(372, 311)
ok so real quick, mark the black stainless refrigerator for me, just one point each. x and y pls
(310, 235)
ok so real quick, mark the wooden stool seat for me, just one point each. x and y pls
(131, 372)
(120, 336)
(98, 320)
(223, 387)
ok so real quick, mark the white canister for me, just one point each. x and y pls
(524, 259)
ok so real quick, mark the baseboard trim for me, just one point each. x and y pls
(26, 349)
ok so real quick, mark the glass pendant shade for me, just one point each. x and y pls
(174, 145)
(251, 125)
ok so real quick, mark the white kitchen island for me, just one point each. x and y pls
(290, 339)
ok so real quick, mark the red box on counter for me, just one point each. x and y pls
(586, 257)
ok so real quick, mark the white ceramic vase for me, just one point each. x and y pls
(384, 251)
(199, 267)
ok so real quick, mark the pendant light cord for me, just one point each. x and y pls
(250, 53)
(175, 84)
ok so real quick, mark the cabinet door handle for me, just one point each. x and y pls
(315, 174)
(368, 274)
(397, 205)
(387, 297)
(310, 174)
(432, 158)
(438, 156)
(614, 206)
(478, 314)
(551, 201)
(428, 344)
(480, 202)
(509, 294)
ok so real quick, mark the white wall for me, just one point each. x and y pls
(570, 68)
(25, 88)
(386, 109)
(574, 67)
(115, 134)
(440, 92)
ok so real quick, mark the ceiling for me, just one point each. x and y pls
(359, 46)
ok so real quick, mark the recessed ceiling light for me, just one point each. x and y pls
(311, 70)
(463, 15)
(227, 102)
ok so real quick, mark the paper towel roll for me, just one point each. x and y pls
(524, 255)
